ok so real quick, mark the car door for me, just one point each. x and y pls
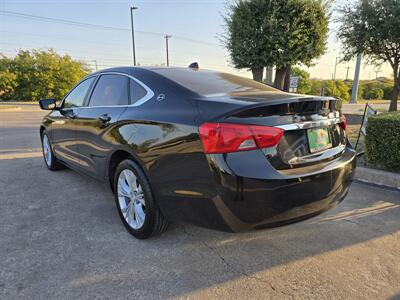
(63, 127)
(97, 119)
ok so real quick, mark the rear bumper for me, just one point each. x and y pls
(243, 192)
(270, 198)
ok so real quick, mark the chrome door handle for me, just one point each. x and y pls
(70, 114)
(104, 118)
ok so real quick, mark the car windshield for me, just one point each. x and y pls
(210, 83)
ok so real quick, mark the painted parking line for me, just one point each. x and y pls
(20, 155)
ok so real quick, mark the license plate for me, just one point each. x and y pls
(319, 139)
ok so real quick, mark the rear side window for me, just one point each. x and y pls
(136, 91)
(76, 97)
(110, 90)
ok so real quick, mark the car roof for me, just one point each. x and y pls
(204, 82)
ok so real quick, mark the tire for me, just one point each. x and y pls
(50, 160)
(135, 202)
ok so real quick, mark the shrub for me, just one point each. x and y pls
(383, 140)
(374, 93)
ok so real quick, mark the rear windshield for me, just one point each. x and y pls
(210, 83)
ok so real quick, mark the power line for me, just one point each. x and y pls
(108, 57)
(107, 44)
(108, 62)
(124, 61)
(89, 25)
(63, 49)
(64, 39)
(57, 20)
(95, 53)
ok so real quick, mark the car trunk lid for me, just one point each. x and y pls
(313, 127)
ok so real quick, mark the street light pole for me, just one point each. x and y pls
(167, 37)
(347, 73)
(356, 80)
(133, 36)
(95, 64)
(334, 78)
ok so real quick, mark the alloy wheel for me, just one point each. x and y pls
(46, 150)
(131, 199)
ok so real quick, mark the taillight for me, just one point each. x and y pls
(226, 137)
(344, 122)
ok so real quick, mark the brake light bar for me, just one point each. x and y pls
(228, 137)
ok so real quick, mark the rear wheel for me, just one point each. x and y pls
(136, 206)
(51, 162)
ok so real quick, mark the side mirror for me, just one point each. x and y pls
(48, 104)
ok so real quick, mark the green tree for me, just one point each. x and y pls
(42, 74)
(301, 35)
(340, 90)
(376, 89)
(387, 91)
(8, 84)
(375, 93)
(263, 33)
(372, 27)
(304, 80)
(8, 80)
(316, 86)
(248, 35)
(373, 90)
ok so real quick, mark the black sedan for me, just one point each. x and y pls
(208, 148)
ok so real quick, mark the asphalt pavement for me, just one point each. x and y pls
(358, 109)
(61, 238)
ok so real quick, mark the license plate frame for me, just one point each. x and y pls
(319, 139)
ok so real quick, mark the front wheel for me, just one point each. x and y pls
(51, 162)
(136, 206)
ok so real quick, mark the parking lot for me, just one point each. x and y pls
(61, 238)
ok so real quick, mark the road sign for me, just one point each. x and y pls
(294, 82)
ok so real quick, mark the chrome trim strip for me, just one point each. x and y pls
(147, 97)
(310, 124)
(317, 156)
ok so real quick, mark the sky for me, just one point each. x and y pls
(195, 27)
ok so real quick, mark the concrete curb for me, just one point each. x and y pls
(378, 177)
(9, 109)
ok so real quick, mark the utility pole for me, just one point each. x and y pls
(356, 80)
(334, 78)
(347, 73)
(133, 36)
(95, 64)
(377, 70)
(167, 37)
(323, 89)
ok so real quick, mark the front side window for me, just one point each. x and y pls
(77, 96)
(110, 90)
